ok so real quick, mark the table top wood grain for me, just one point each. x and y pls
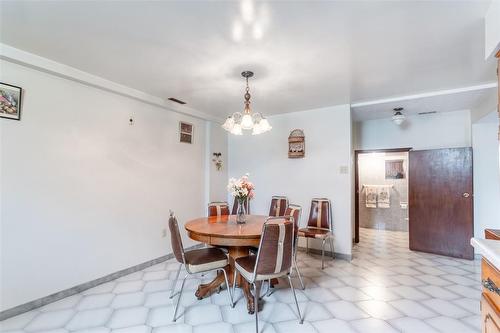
(224, 231)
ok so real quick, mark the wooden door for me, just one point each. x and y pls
(441, 204)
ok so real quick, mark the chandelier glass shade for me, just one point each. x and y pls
(246, 120)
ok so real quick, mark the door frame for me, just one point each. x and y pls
(356, 180)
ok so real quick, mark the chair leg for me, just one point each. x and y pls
(323, 254)
(231, 303)
(179, 299)
(331, 248)
(175, 281)
(298, 272)
(307, 245)
(256, 300)
(235, 273)
(268, 289)
(301, 321)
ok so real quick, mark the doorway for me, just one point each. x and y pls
(439, 208)
(381, 190)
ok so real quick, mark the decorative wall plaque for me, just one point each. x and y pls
(296, 144)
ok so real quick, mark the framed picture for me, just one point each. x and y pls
(394, 169)
(185, 132)
(10, 101)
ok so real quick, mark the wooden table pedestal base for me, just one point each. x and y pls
(207, 289)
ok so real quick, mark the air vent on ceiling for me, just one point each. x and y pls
(427, 112)
(176, 100)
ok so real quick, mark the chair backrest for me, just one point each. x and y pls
(175, 238)
(275, 248)
(218, 209)
(278, 206)
(294, 211)
(320, 215)
(235, 206)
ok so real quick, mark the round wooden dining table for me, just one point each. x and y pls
(237, 238)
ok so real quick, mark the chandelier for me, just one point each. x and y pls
(237, 122)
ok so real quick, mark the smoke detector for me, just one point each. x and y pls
(398, 118)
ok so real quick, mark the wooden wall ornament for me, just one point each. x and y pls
(296, 144)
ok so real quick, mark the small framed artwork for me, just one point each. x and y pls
(185, 132)
(394, 169)
(10, 101)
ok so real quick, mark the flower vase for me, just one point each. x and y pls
(241, 212)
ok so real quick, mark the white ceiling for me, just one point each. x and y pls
(305, 54)
(439, 102)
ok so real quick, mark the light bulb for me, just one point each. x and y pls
(228, 124)
(257, 129)
(246, 122)
(236, 130)
(264, 125)
(398, 118)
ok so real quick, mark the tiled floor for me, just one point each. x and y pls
(386, 288)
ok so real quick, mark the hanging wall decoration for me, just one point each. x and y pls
(296, 144)
(218, 161)
(10, 101)
(186, 132)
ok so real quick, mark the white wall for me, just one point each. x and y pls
(217, 143)
(328, 147)
(83, 193)
(441, 130)
(486, 177)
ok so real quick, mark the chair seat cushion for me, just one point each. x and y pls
(245, 265)
(314, 233)
(206, 259)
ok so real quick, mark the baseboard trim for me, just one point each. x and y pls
(328, 254)
(84, 286)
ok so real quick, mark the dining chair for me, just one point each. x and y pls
(295, 211)
(273, 259)
(278, 206)
(235, 207)
(195, 261)
(218, 208)
(319, 225)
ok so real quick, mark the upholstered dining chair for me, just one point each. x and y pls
(235, 206)
(278, 206)
(295, 211)
(273, 259)
(319, 225)
(195, 261)
(218, 208)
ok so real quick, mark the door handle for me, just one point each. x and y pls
(466, 195)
